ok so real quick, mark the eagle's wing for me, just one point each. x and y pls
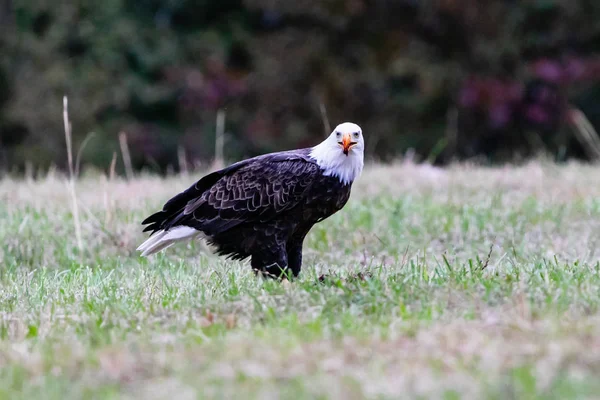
(251, 191)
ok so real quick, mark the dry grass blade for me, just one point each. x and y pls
(80, 151)
(71, 181)
(219, 161)
(183, 164)
(326, 124)
(112, 167)
(586, 134)
(126, 155)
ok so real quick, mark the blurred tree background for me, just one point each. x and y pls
(450, 79)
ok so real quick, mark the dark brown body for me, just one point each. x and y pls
(260, 208)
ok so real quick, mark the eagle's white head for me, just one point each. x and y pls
(342, 153)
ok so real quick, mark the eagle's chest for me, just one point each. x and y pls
(326, 196)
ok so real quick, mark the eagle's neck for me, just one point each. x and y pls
(335, 163)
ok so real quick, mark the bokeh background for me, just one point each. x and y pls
(496, 80)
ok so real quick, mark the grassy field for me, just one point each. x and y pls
(458, 283)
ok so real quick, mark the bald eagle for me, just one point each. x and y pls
(263, 207)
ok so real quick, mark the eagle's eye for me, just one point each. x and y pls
(338, 134)
(355, 135)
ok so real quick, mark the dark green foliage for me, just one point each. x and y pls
(452, 78)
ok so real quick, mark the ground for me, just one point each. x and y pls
(466, 282)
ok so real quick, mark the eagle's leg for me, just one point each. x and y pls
(294, 249)
(294, 254)
(272, 262)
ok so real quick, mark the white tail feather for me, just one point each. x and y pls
(163, 239)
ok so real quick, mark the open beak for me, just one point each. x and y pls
(346, 143)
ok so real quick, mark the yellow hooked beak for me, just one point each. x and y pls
(347, 143)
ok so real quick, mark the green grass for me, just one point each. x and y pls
(413, 305)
